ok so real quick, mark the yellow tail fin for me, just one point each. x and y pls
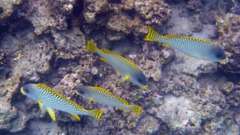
(152, 35)
(96, 114)
(136, 109)
(91, 47)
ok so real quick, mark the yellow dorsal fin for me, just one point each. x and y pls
(51, 113)
(103, 60)
(75, 116)
(124, 79)
(191, 38)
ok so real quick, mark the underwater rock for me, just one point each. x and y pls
(229, 32)
(183, 64)
(69, 44)
(179, 115)
(35, 61)
(194, 5)
(233, 97)
(43, 128)
(68, 84)
(237, 117)
(11, 119)
(3, 59)
(94, 7)
(122, 18)
(7, 7)
(147, 125)
(154, 12)
(45, 14)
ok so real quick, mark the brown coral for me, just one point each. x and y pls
(126, 17)
(229, 30)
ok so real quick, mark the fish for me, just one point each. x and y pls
(48, 100)
(194, 47)
(102, 96)
(126, 68)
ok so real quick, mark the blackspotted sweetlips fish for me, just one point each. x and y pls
(102, 96)
(194, 47)
(49, 99)
(124, 67)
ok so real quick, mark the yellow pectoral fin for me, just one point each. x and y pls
(121, 108)
(103, 60)
(75, 116)
(42, 107)
(90, 101)
(51, 113)
(166, 45)
(124, 79)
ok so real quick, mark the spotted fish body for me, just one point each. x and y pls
(102, 96)
(126, 68)
(195, 47)
(50, 99)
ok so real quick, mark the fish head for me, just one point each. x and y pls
(29, 91)
(84, 91)
(217, 54)
(139, 79)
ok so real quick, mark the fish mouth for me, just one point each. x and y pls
(145, 86)
(22, 91)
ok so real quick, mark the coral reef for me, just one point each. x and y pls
(125, 17)
(45, 41)
(45, 14)
(7, 7)
(229, 30)
(70, 44)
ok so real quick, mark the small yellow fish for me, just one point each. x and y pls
(102, 96)
(195, 47)
(49, 99)
(123, 66)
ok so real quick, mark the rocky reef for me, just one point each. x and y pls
(44, 41)
(117, 19)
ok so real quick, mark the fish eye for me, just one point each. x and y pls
(80, 91)
(26, 90)
(140, 80)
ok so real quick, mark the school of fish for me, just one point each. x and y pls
(48, 99)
